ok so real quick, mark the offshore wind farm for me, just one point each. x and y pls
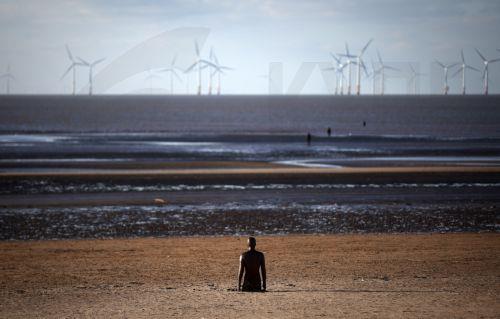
(340, 70)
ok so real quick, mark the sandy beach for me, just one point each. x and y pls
(353, 276)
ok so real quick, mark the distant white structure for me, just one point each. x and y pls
(360, 64)
(382, 69)
(463, 68)
(200, 64)
(446, 68)
(414, 77)
(349, 58)
(91, 69)
(150, 77)
(338, 68)
(72, 67)
(486, 63)
(8, 77)
(219, 70)
(171, 69)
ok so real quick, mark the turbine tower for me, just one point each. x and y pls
(382, 69)
(340, 74)
(485, 71)
(337, 69)
(72, 67)
(8, 76)
(360, 64)
(200, 64)
(173, 73)
(334, 69)
(375, 73)
(91, 69)
(150, 77)
(446, 68)
(219, 69)
(349, 63)
(414, 77)
(463, 68)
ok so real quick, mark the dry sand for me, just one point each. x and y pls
(431, 275)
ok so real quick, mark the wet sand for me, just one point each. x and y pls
(353, 276)
(252, 172)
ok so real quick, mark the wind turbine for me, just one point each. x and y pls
(151, 76)
(446, 68)
(91, 68)
(219, 69)
(200, 64)
(72, 67)
(485, 72)
(413, 78)
(210, 73)
(339, 70)
(172, 72)
(349, 63)
(8, 76)
(375, 73)
(463, 68)
(334, 69)
(382, 69)
(360, 64)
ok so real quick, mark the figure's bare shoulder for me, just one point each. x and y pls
(243, 255)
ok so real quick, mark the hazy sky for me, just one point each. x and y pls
(248, 35)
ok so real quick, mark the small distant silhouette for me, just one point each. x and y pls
(252, 264)
(364, 123)
(329, 132)
(309, 138)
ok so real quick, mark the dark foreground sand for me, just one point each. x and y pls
(387, 276)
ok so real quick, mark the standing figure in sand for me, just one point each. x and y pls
(252, 264)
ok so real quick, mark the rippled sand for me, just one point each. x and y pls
(353, 276)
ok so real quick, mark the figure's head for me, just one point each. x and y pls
(251, 242)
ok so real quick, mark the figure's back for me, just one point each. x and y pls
(252, 261)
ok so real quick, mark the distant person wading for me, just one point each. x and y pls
(252, 264)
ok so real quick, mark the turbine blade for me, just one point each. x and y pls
(208, 63)
(482, 57)
(70, 56)
(335, 58)
(364, 67)
(67, 71)
(347, 49)
(456, 73)
(391, 68)
(83, 61)
(494, 60)
(365, 47)
(197, 48)
(440, 64)
(173, 61)
(412, 69)
(191, 67)
(462, 56)
(97, 62)
(176, 75)
(449, 66)
(379, 58)
(472, 68)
